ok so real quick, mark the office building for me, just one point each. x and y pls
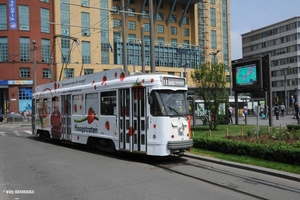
(75, 38)
(281, 41)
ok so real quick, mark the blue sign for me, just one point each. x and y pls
(12, 14)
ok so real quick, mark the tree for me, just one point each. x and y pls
(211, 82)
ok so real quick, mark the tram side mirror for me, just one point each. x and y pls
(150, 100)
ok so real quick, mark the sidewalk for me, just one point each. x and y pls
(282, 121)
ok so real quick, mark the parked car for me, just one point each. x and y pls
(12, 117)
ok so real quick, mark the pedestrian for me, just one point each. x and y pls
(245, 111)
(266, 111)
(296, 111)
(282, 109)
(276, 111)
(230, 109)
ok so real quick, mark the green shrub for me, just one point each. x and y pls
(278, 152)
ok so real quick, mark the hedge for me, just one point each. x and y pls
(277, 153)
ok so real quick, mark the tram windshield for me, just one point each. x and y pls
(168, 103)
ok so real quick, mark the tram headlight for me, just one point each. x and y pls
(180, 130)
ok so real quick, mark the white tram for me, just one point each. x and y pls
(144, 113)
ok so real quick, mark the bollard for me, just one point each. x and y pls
(226, 132)
(242, 131)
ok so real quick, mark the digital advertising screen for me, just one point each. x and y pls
(246, 75)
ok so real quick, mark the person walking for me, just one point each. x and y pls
(296, 111)
(245, 111)
(276, 111)
(230, 109)
(266, 111)
(282, 109)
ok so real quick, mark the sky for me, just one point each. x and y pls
(247, 15)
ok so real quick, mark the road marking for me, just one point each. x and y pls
(16, 132)
(29, 132)
(2, 134)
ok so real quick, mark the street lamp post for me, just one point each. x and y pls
(34, 61)
(230, 75)
(184, 65)
(214, 54)
(285, 93)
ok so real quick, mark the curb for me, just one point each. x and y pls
(272, 172)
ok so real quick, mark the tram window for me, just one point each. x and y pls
(91, 102)
(108, 103)
(78, 104)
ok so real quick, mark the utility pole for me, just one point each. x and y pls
(34, 61)
(143, 49)
(124, 39)
(51, 70)
(152, 50)
(286, 99)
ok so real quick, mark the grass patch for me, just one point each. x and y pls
(236, 130)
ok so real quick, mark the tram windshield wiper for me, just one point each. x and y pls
(172, 108)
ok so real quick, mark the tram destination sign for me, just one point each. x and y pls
(174, 81)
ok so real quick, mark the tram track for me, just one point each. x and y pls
(236, 182)
(229, 177)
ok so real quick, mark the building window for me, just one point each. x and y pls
(65, 50)
(173, 30)
(212, 16)
(213, 1)
(131, 14)
(116, 8)
(88, 71)
(3, 17)
(186, 20)
(3, 49)
(213, 39)
(46, 1)
(24, 50)
(24, 72)
(117, 23)
(85, 24)
(171, 73)
(45, 18)
(146, 14)
(186, 43)
(131, 25)
(174, 42)
(161, 41)
(186, 32)
(147, 39)
(132, 38)
(85, 2)
(160, 28)
(45, 51)
(23, 18)
(69, 73)
(146, 27)
(46, 73)
(86, 52)
(173, 19)
(160, 17)
(25, 93)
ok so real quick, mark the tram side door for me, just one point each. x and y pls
(66, 117)
(132, 119)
